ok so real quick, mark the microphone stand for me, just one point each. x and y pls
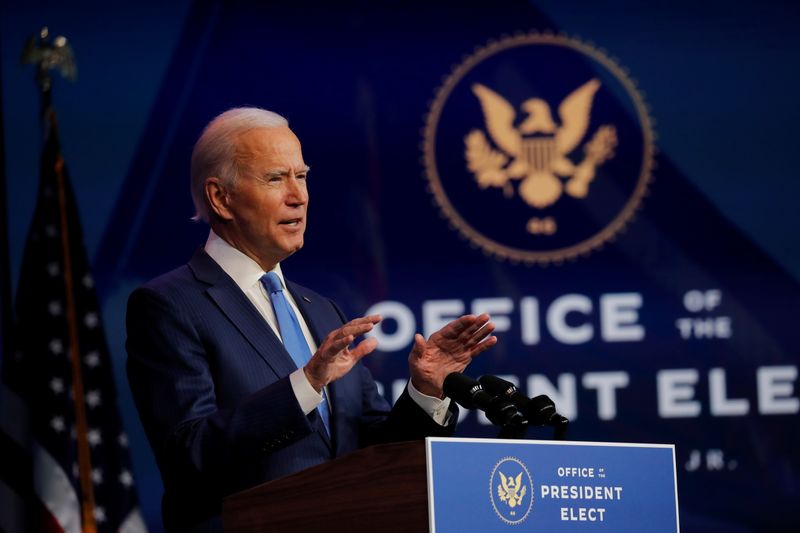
(560, 432)
(518, 431)
(513, 431)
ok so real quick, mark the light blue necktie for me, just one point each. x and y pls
(293, 339)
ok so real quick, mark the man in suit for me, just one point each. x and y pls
(240, 376)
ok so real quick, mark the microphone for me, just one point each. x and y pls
(539, 410)
(469, 394)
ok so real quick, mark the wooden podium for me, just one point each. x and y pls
(381, 488)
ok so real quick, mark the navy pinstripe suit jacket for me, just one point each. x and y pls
(210, 382)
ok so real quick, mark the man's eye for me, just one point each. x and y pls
(301, 176)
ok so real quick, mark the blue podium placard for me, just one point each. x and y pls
(507, 485)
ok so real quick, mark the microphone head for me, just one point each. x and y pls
(469, 393)
(543, 402)
(540, 410)
(462, 388)
(497, 386)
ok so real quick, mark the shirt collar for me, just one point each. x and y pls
(243, 270)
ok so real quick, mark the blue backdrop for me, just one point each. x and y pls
(658, 308)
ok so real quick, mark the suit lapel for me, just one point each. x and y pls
(245, 317)
(242, 314)
(310, 309)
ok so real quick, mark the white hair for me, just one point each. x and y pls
(214, 152)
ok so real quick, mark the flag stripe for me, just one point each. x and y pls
(55, 491)
(133, 523)
(12, 519)
(14, 417)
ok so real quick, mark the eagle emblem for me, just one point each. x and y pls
(537, 150)
(510, 490)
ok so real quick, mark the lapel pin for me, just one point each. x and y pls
(307, 299)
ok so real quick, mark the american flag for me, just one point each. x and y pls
(65, 460)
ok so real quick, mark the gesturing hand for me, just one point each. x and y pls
(448, 350)
(334, 358)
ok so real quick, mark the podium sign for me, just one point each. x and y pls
(504, 485)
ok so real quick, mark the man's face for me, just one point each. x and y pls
(268, 202)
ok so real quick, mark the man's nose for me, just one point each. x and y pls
(297, 193)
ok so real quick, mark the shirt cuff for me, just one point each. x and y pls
(306, 395)
(436, 408)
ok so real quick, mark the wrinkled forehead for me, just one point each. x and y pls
(269, 148)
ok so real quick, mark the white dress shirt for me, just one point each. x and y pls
(246, 273)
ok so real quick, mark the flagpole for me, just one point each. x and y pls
(48, 54)
(82, 429)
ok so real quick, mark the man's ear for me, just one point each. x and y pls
(217, 197)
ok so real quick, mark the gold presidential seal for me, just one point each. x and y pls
(511, 490)
(522, 182)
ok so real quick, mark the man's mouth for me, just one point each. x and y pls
(291, 222)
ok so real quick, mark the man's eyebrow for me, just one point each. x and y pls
(280, 172)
